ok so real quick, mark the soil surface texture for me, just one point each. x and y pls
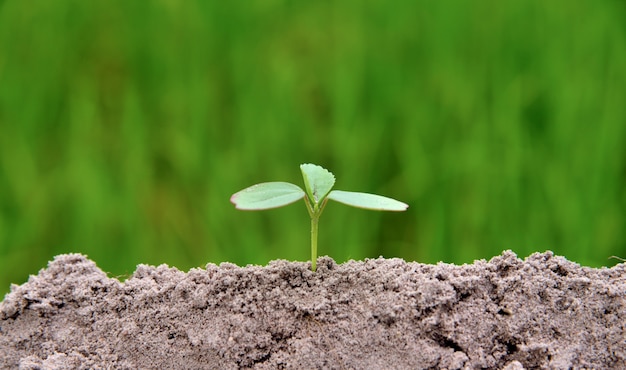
(541, 312)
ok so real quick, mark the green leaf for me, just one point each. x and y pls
(317, 180)
(367, 201)
(267, 195)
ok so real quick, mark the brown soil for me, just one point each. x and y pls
(544, 312)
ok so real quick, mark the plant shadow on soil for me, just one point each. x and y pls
(541, 312)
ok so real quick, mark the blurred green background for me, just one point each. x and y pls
(125, 126)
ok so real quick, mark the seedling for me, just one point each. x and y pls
(318, 182)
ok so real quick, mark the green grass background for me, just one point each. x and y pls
(125, 126)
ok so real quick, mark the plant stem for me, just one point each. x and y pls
(314, 223)
(315, 211)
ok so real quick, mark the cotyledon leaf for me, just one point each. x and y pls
(267, 195)
(367, 201)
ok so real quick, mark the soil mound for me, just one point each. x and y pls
(542, 312)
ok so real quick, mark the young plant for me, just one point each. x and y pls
(318, 183)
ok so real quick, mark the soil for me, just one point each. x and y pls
(541, 312)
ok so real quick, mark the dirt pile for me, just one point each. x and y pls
(543, 312)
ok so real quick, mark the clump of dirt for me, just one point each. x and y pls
(543, 312)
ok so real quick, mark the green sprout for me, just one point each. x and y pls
(318, 182)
